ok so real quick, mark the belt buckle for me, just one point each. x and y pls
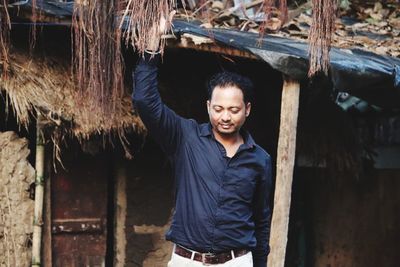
(203, 258)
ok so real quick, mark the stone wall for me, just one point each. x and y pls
(16, 208)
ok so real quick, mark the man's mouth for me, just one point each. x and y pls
(225, 126)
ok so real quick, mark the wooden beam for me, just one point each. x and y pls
(212, 48)
(284, 171)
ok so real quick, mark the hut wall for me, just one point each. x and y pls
(345, 222)
(16, 208)
(149, 207)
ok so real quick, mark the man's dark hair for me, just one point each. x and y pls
(227, 78)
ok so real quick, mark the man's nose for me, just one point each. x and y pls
(226, 116)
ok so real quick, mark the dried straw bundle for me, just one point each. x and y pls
(322, 28)
(97, 59)
(5, 26)
(143, 14)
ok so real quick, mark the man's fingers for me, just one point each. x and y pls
(166, 22)
(171, 16)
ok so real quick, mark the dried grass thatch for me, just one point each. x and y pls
(46, 86)
(5, 26)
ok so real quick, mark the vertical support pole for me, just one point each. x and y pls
(39, 194)
(47, 237)
(284, 171)
(120, 213)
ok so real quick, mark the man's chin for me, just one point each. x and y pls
(229, 131)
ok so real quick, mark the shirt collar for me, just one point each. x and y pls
(206, 130)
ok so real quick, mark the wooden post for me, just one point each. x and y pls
(39, 195)
(120, 212)
(284, 171)
(47, 237)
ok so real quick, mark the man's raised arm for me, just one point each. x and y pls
(162, 123)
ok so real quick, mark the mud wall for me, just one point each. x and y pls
(345, 222)
(16, 208)
(149, 207)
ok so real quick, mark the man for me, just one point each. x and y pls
(223, 178)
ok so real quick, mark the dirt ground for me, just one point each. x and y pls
(16, 209)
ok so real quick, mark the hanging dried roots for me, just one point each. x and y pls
(141, 16)
(275, 15)
(97, 59)
(5, 26)
(322, 28)
(32, 40)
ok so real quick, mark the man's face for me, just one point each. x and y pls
(227, 110)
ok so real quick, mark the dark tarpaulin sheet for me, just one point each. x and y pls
(372, 77)
(53, 8)
(369, 76)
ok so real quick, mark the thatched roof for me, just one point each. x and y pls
(36, 85)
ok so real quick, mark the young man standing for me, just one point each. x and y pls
(223, 179)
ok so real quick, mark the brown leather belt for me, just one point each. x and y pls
(209, 258)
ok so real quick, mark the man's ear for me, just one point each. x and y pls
(208, 106)
(248, 109)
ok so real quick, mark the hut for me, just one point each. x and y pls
(105, 210)
(82, 150)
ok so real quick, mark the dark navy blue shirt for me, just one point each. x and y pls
(221, 203)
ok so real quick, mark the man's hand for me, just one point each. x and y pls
(158, 30)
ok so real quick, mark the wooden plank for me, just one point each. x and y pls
(79, 199)
(284, 171)
(78, 226)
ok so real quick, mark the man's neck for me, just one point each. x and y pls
(229, 140)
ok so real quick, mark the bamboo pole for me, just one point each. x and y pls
(39, 195)
(284, 171)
